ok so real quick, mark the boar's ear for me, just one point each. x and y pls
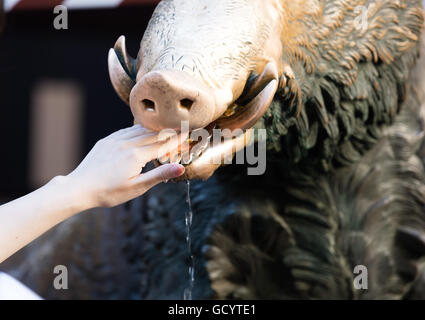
(122, 70)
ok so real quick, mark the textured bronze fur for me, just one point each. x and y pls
(348, 82)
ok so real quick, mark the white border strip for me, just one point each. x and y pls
(88, 4)
(9, 4)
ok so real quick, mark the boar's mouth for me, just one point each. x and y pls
(239, 117)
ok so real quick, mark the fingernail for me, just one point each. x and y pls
(177, 170)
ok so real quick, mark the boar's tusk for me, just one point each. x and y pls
(126, 60)
(269, 73)
(121, 70)
(121, 82)
(247, 117)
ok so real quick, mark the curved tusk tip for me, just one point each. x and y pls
(120, 43)
(112, 55)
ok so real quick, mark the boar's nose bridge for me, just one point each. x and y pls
(163, 99)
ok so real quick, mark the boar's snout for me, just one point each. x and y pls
(163, 99)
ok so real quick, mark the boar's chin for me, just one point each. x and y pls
(241, 116)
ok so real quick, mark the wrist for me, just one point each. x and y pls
(73, 193)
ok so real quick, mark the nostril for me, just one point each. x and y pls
(149, 105)
(187, 103)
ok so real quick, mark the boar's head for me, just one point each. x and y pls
(321, 76)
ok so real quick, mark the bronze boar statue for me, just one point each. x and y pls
(339, 87)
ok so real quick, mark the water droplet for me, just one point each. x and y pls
(188, 221)
(187, 295)
(192, 272)
(189, 218)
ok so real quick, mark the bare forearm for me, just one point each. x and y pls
(25, 219)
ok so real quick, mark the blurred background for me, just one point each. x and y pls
(56, 97)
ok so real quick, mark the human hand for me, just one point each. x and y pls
(111, 173)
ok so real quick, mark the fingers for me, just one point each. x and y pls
(161, 174)
(151, 138)
(140, 136)
(134, 131)
(159, 149)
(144, 145)
(124, 131)
(143, 139)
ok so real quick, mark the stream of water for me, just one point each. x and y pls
(187, 295)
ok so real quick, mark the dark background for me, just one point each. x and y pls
(31, 49)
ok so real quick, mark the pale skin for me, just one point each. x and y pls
(107, 177)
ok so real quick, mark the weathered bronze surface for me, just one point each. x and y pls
(344, 109)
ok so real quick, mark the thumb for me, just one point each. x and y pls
(161, 174)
